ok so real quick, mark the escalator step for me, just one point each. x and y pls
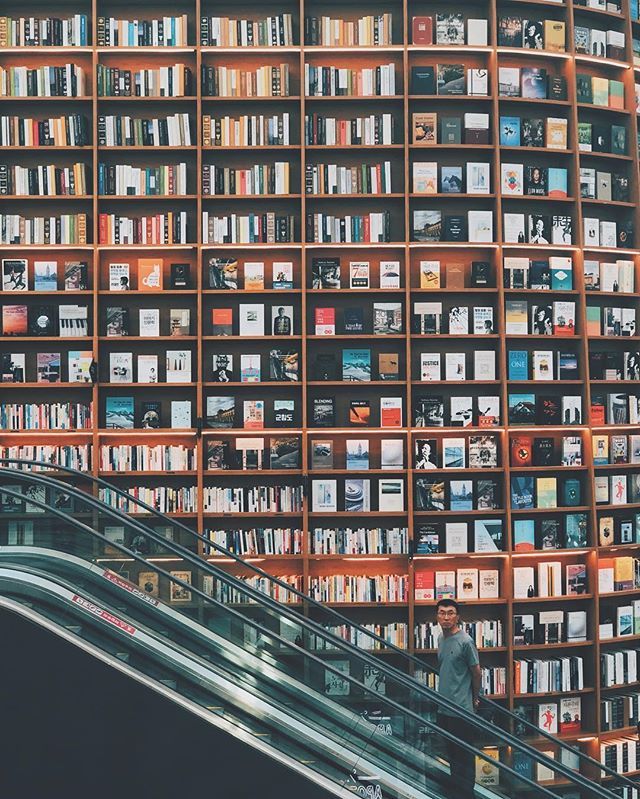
(216, 709)
(170, 684)
(123, 656)
(76, 629)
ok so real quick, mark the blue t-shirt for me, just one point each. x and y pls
(456, 655)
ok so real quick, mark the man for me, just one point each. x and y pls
(459, 682)
(281, 324)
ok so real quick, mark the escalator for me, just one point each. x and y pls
(265, 672)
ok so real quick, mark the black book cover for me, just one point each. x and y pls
(625, 233)
(42, 320)
(325, 366)
(481, 274)
(535, 181)
(353, 320)
(180, 276)
(451, 79)
(423, 80)
(455, 228)
(532, 133)
(557, 87)
(323, 412)
(542, 452)
(548, 410)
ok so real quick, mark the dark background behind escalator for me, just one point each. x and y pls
(74, 727)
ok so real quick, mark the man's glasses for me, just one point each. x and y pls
(447, 612)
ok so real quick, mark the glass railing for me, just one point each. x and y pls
(142, 550)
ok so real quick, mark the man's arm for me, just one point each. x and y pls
(476, 680)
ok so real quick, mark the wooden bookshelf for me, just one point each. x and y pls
(406, 344)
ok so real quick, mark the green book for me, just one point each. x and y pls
(451, 130)
(584, 136)
(618, 139)
(616, 93)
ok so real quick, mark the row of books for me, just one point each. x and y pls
(596, 185)
(227, 593)
(431, 539)
(610, 321)
(71, 130)
(166, 499)
(72, 31)
(619, 712)
(166, 81)
(483, 411)
(120, 414)
(46, 367)
(527, 451)
(550, 132)
(46, 416)
(330, 81)
(617, 489)
(429, 318)
(375, 129)
(118, 322)
(618, 668)
(456, 584)
(359, 588)
(528, 491)
(531, 83)
(323, 412)
(115, 130)
(250, 228)
(546, 580)
(533, 181)
(142, 457)
(67, 80)
(256, 179)
(557, 318)
(618, 574)
(356, 495)
(358, 541)
(147, 181)
(270, 31)
(482, 453)
(448, 79)
(472, 226)
(254, 499)
(439, 494)
(359, 179)
(67, 321)
(598, 91)
(486, 633)
(542, 365)
(431, 128)
(367, 31)
(249, 453)
(615, 409)
(44, 180)
(476, 180)
(620, 754)
(568, 531)
(357, 456)
(532, 34)
(15, 275)
(616, 276)
(619, 529)
(166, 228)
(60, 229)
(257, 130)
(396, 633)
(627, 621)
(265, 81)
(455, 366)
(542, 409)
(258, 541)
(550, 627)
(73, 456)
(539, 676)
(564, 716)
(615, 449)
(167, 31)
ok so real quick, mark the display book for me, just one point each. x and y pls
(252, 370)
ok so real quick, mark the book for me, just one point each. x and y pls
(15, 274)
(359, 274)
(119, 277)
(254, 276)
(45, 275)
(150, 274)
(119, 413)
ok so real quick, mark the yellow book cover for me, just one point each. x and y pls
(546, 492)
(623, 570)
(429, 274)
(554, 35)
(556, 133)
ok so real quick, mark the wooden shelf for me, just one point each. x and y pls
(407, 346)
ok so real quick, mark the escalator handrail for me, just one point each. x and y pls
(281, 607)
(388, 701)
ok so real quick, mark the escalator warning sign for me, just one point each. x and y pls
(103, 614)
(127, 586)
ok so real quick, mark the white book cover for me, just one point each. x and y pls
(119, 277)
(430, 369)
(391, 453)
(456, 537)
(147, 368)
(478, 178)
(324, 496)
(181, 414)
(458, 320)
(483, 320)
(254, 276)
(389, 274)
(178, 366)
(79, 366)
(484, 365)
(489, 583)
(467, 584)
(454, 453)
(251, 319)
(121, 367)
(523, 582)
(543, 365)
(15, 274)
(149, 322)
(455, 366)
(511, 176)
(513, 228)
(480, 226)
(359, 274)
(390, 494)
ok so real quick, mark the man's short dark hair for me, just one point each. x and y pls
(448, 603)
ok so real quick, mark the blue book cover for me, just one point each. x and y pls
(561, 278)
(461, 495)
(556, 181)
(518, 365)
(356, 365)
(522, 492)
(524, 535)
(522, 408)
(522, 764)
(119, 413)
(510, 131)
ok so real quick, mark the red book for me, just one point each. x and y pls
(422, 30)
(521, 451)
(424, 586)
(325, 319)
(597, 414)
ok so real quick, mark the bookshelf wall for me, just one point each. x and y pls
(336, 347)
